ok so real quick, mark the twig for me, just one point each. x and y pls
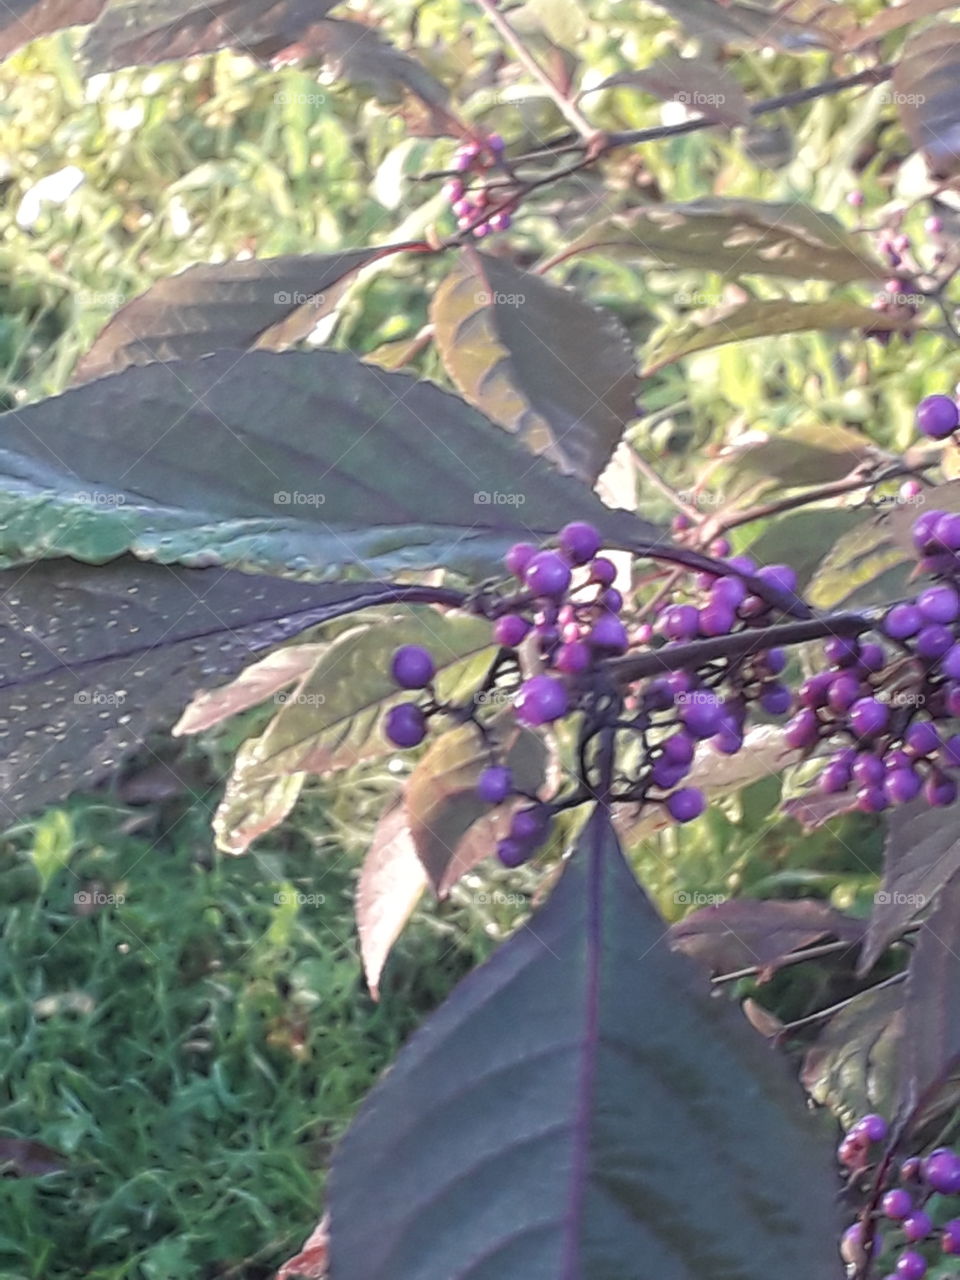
(796, 957)
(570, 111)
(842, 1004)
(649, 473)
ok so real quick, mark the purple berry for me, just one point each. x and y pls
(495, 784)
(815, 691)
(901, 621)
(665, 773)
(728, 590)
(941, 1170)
(802, 731)
(530, 824)
(901, 786)
(742, 564)
(603, 571)
(947, 532)
(702, 714)
(681, 622)
(773, 660)
(937, 416)
(608, 634)
(869, 717)
(872, 657)
(922, 738)
(845, 689)
(405, 725)
(911, 1266)
(573, 658)
(950, 1240)
(547, 574)
(686, 804)
(918, 1226)
(911, 1169)
(871, 800)
(513, 853)
(412, 667)
(611, 600)
(868, 770)
(501, 221)
(897, 1204)
(720, 547)
(452, 190)
(872, 1127)
(579, 541)
(518, 557)
(939, 791)
(834, 778)
(939, 604)
(950, 666)
(716, 619)
(510, 630)
(540, 700)
(780, 576)
(776, 699)
(842, 651)
(679, 748)
(933, 642)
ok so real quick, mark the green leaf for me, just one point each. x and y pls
(853, 1067)
(53, 844)
(571, 1111)
(551, 369)
(761, 319)
(931, 1032)
(91, 658)
(735, 238)
(813, 453)
(704, 87)
(865, 567)
(926, 91)
(441, 798)
(746, 24)
(24, 20)
(802, 538)
(301, 462)
(262, 680)
(562, 20)
(253, 805)
(892, 18)
(267, 302)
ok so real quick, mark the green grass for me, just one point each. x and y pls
(193, 1046)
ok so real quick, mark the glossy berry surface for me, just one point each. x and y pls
(686, 804)
(495, 784)
(412, 667)
(941, 1170)
(937, 416)
(579, 541)
(405, 725)
(541, 700)
(547, 574)
(918, 1226)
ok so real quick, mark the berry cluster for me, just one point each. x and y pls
(559, 629)
(888, 702)
(904, 1206)
(475, 159)
(901, 298)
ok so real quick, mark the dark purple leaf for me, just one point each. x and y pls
(921, 855)
(25, 20)
(92, 656)
(931, 1041)
(27, 1159)
(744, 932)
(926, 90)
(572, 1110)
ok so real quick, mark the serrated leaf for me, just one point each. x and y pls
(545, 365)
(392, 881)
(760, 318)
(742, 932)
(332, 718)
(253, 805)
(931, 1039)
(734, 238)
(260, 681)
(921, 855)
(276, 461)
(853, 1067)
(703, 87)
(141, 32)
(441, 800)
(926, 92)
(24, 20)
(93, 657)
(268, 302)
(598, 1093)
